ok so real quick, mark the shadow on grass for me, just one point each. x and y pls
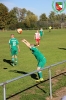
(36, 85)
(20, 72)
(62, 48)
(7, 61)
(34, 76)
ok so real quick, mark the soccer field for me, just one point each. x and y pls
(52, 45)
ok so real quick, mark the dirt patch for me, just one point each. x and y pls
(60, 72)
(54, 81)
(61, 92)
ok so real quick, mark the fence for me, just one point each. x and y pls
(49, 71)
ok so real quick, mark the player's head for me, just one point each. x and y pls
(32, 45)
(12, 35)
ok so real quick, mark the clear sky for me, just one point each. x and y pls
(38, 7)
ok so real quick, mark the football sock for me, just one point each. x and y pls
(15, 60)
(12, 60)
(40, 74)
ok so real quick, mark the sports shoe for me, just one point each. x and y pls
(12, 64)
(41, 79)
(15, 63)
(38, 80)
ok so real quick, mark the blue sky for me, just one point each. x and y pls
(38, 7)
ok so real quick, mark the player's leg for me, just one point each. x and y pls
(15, 55)
(12, 58)
(41, 64)
(42, 34)
(16, 60)
(38, 41)
(39, 75)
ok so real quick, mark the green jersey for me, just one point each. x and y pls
(41, 32)
(38, 55)
(13, 43)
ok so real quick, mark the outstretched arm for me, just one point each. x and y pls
(26, 42)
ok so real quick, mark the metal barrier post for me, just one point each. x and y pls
(4, 92)
(50, 83)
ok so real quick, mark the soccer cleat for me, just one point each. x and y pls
(38, 80)
(12, 64)
(41, 79)
(15, 63)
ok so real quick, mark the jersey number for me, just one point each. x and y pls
(14, 43)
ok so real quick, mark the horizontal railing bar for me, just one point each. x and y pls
(8, 81)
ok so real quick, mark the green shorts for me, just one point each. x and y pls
(42, 63)
(41, 34)
(14, 52)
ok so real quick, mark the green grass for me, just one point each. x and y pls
(52, 45)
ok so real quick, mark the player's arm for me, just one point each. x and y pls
(10, 46)
(27, 43)
(18, 48)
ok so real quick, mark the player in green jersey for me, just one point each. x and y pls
(41, 32)
(14, 47)
(40, 58)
